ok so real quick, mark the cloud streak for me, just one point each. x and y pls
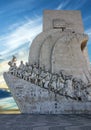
(22, 34)
(16, 42)
(62, 5)
(88, 32)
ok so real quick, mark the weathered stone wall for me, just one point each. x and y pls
(68, 56)
(36, 45)
(33, 99)
(70, 19)
(62, 44)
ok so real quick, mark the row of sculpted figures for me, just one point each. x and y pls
(63, 84)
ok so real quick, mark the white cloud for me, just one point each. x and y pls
(89, 32)
(63, 5)
(20, 35)
(60, 6)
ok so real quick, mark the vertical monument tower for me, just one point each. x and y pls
(62, 44)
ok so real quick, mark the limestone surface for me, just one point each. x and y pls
(62, 44)
(31, 98)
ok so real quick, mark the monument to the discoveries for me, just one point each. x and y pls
(57, 77)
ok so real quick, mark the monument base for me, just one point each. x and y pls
(33, 99)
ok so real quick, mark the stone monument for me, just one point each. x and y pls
(56, 79)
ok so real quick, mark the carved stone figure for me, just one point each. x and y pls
(21, 67)
(54, 82)
(41, 78)
(13, 69)
(88, 93)
(20, 70)
(25, 75)
(30, 68)
(13, 60)
(47, 80)
(26, 67)
(60, 82)
(63, 83)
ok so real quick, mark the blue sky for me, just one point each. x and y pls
(21, 21)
